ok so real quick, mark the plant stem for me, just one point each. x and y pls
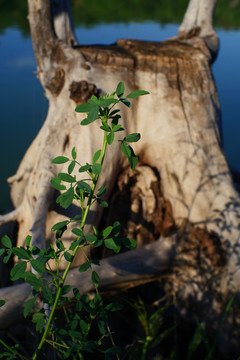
(22, 357)
(62, 281)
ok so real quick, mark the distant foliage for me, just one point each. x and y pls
(91, 13)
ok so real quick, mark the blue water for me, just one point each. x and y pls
(227, 76)
(24, 107)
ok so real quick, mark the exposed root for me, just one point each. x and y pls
(131, 268)
(12, 216)
(40, 214)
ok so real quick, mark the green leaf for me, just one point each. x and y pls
(102, 203)
(133, 160)
(101, 191)
(134, 137)
(59, 243)
(21, 253)
(125, 149)
(136, 94)
(96, 169)
(32, 279)
(76, 243)
(77, 232)
(92, 116)
(68, 257)
(76, 293)
(95, 277)
(90, 238)
(84, 108)
(6, 241)
(84, 168)
(115, 120)
(47, 294)
(85, 298)
(106, 102)
(74, 334)
(98, 243)
(112, 244)
(112, 113)
(126, 102)
(66, 199)
(2, 302)
(117, 127)
(96, 156)
(71, 167)
(59, 225)
(8, 355)
(87, 121)
(2, 251)
(59, 234)
(107, 231)
(76, 218)
(66, 177)
(60, 160)
(29, 305)
(120, 89)
(105, 126)
(114, 307)
(84, 186)
(18, 270)
(89, 346)
(74, 154)
(128, 243)
(8, 256)
(95, 262)
(28, 240)
(35, 250)
(128, 151)
(56, 183)
(110, 138)
(39, 320)
(114, 350)
(116, 228)
(94, 100)
(38, 266)
(102, 327)
(85, 266)
(84, 326)
(66, 289)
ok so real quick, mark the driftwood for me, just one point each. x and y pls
(128, 269)
(180, 154)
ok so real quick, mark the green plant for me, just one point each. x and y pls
(72, 339)
(152, 335)
(201, 337)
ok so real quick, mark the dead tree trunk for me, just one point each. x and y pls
(183, 183)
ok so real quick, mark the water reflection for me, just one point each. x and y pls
(23, 106)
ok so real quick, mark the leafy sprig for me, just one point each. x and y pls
(49, 285)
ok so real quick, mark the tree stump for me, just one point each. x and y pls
(182, 195)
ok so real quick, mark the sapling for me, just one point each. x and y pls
(71, 340)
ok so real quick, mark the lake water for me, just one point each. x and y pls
(24, 107)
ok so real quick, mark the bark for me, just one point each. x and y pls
(183, 184)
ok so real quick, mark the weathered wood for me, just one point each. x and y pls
(128, 269)
(180, 147)
(198, 22)
(63, 26)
